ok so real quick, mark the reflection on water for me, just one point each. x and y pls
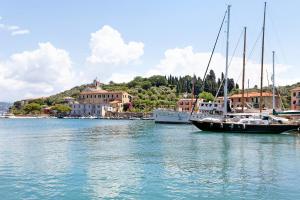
(91, 159)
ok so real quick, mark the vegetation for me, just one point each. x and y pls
(206, 96)
(147, 93)
(61, 110)
(32, 108)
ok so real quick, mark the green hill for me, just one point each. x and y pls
(148, 93)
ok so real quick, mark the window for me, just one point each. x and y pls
(95, 96)
(239, 99)
(294, 94)
(294, 102)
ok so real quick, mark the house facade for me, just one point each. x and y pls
(94, 101)
(252, 99)
(295, 98)
(185, 105)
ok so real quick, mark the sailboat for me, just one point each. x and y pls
(205, 109)
(257, 122)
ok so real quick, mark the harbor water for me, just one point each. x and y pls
(135, 159)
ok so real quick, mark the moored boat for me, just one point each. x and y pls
(267, 124)
(252, 124)
(206, 109)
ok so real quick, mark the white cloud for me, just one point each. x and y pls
(36, 73)
(20, 32)
(122, 77)
(108, 47)
(13, 29)
(184, 61)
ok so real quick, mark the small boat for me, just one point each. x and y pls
(206, 109)
(134, 118)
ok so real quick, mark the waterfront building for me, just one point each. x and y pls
(295, 98)
(94, 101)
(252, 100)
(185, 105)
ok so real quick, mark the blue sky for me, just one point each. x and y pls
(182, 29)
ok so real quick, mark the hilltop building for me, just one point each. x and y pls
(94, 101)
(295, 98)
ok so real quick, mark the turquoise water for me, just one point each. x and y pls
(92, 159)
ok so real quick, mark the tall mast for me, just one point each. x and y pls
(262, 61)
(273, 79)
(193, 94)
(244, 63)
(226, 70)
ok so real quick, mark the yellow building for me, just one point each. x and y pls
(252, 99)
(94, 101)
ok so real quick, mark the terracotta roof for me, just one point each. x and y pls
(101, 92)
(296, 88)
(252, 94)
(94, 92)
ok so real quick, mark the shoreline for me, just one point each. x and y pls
(49, 117)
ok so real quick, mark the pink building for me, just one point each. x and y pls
(295, 98)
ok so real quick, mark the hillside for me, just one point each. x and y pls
(149, 93)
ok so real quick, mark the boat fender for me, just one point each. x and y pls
(211, 124)
(244, 126)
(231, 126)
(221, 125)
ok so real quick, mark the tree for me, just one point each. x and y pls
(210, 83)
(146, 85)
(61, 110)
(158, 80)
(32, 108)
(231, 84)
(206, 96)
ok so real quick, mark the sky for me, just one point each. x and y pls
(50, 46)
